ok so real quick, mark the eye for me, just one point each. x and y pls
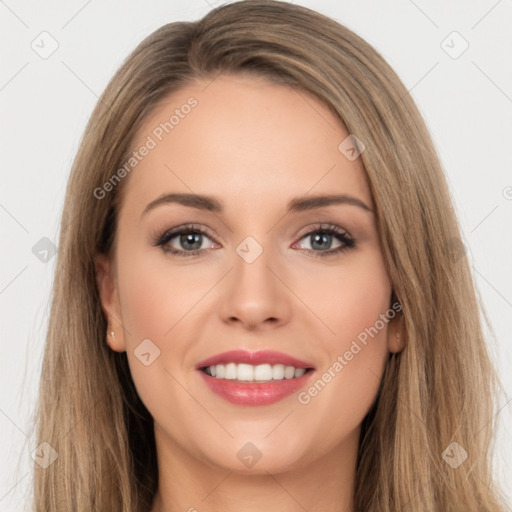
(321, 239)
(191, 240)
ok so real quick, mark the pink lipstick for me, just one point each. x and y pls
(254, 378)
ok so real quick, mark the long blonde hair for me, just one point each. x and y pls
(440, 390)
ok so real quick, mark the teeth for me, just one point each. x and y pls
(220, 371)
(263, 372)
(278, 372)
(231, 372)
(289, 372)
(249, 372)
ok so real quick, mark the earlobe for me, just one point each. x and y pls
(106, 283)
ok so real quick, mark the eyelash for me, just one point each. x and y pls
(331, 229)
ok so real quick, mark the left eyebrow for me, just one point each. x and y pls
(308, 203)
(296, 204)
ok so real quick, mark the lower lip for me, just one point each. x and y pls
(250, 393)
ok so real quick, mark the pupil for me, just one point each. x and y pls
(323, 241)
(192, 239)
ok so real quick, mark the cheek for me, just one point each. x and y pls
(159, 302)
(352, 302)
(150, 308)
(348, 298)
(156, 295)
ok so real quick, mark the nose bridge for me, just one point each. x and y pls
(251, 265)
(254, 294)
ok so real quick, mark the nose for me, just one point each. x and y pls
(255, 296)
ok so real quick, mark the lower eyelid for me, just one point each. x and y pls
(163, 240)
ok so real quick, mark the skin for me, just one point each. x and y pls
(254, 146)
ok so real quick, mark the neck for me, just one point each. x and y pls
(192, 485)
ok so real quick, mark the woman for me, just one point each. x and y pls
(318, 344)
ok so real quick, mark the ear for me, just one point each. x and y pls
(107, 288)
(396, 335)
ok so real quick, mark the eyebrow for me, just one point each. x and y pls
(297, 204)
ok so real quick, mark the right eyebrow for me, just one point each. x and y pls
(192, 200)
(297, 204)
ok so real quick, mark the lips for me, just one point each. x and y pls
(251, 392)
(254, 358)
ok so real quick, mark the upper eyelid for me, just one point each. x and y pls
(325, 226)
(203, 230)
(311, 227)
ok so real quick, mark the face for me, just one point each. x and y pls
(260, 268)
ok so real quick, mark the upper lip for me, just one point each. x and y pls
(254, 358)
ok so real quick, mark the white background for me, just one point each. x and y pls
(45, 103)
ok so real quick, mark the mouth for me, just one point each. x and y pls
(254, 378)
(257, 374)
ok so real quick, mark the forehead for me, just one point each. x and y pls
(244, 139)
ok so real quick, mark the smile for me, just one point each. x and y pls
(254, 378)
(251, 373)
